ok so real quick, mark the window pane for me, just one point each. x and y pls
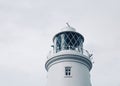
(67, 71)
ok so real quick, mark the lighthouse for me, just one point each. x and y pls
(68, 64)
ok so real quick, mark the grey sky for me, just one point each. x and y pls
(27, 28)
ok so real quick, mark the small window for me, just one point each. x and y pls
(58, 43)
(68, 71)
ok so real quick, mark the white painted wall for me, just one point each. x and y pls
(79, 72)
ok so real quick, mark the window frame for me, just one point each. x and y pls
(67, 71)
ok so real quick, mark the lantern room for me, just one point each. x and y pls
(68, 39)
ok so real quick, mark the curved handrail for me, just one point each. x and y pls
(84, 52)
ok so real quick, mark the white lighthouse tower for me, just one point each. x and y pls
(68, 64)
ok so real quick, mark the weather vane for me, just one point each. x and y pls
(68, 24)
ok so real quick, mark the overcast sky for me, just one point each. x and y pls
(27, 28)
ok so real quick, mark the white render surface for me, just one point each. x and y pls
(79, 75)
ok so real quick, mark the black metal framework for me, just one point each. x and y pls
(68, 41)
